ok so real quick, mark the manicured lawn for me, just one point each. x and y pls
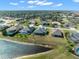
(78, 26)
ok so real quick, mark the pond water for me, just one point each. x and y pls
(10, 50)
(77, 51)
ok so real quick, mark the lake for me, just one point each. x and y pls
(10, 50)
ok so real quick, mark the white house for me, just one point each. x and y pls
(56, 24)
(4, 22)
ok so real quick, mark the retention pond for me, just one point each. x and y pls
(11, 50)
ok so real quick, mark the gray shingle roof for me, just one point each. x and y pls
(40, 31)
(74, 37)
(27, 30)
(57, 33)
(12, 30)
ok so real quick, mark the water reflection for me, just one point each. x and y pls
(9, 50)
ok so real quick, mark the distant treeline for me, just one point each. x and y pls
(34, 14)
(31, 13)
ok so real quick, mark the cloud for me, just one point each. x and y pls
(60, 4)
(40, 2)
(43, 3)
(13, 3)
(32, 2)
(16, 3)
(76, 1)
(31, 6)
(21, 1)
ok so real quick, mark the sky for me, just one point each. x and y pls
(39, 5)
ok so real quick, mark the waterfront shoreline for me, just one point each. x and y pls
(31, 55)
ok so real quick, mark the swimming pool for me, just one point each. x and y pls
(77, 51)
(10, 50)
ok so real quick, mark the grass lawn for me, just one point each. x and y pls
(78, 26)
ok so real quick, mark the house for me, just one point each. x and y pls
(69, 25)
(7, 18)
(56, 24)
(4, 22)
(3, 27)
(76, 49)
(41, 30)
(27, 30)
(74, 36)
(24, 31)
(32, 21)
(13, 30)
(45, 23)
(19, 20)
(76, 14)
(31, 25)
(58, 33)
